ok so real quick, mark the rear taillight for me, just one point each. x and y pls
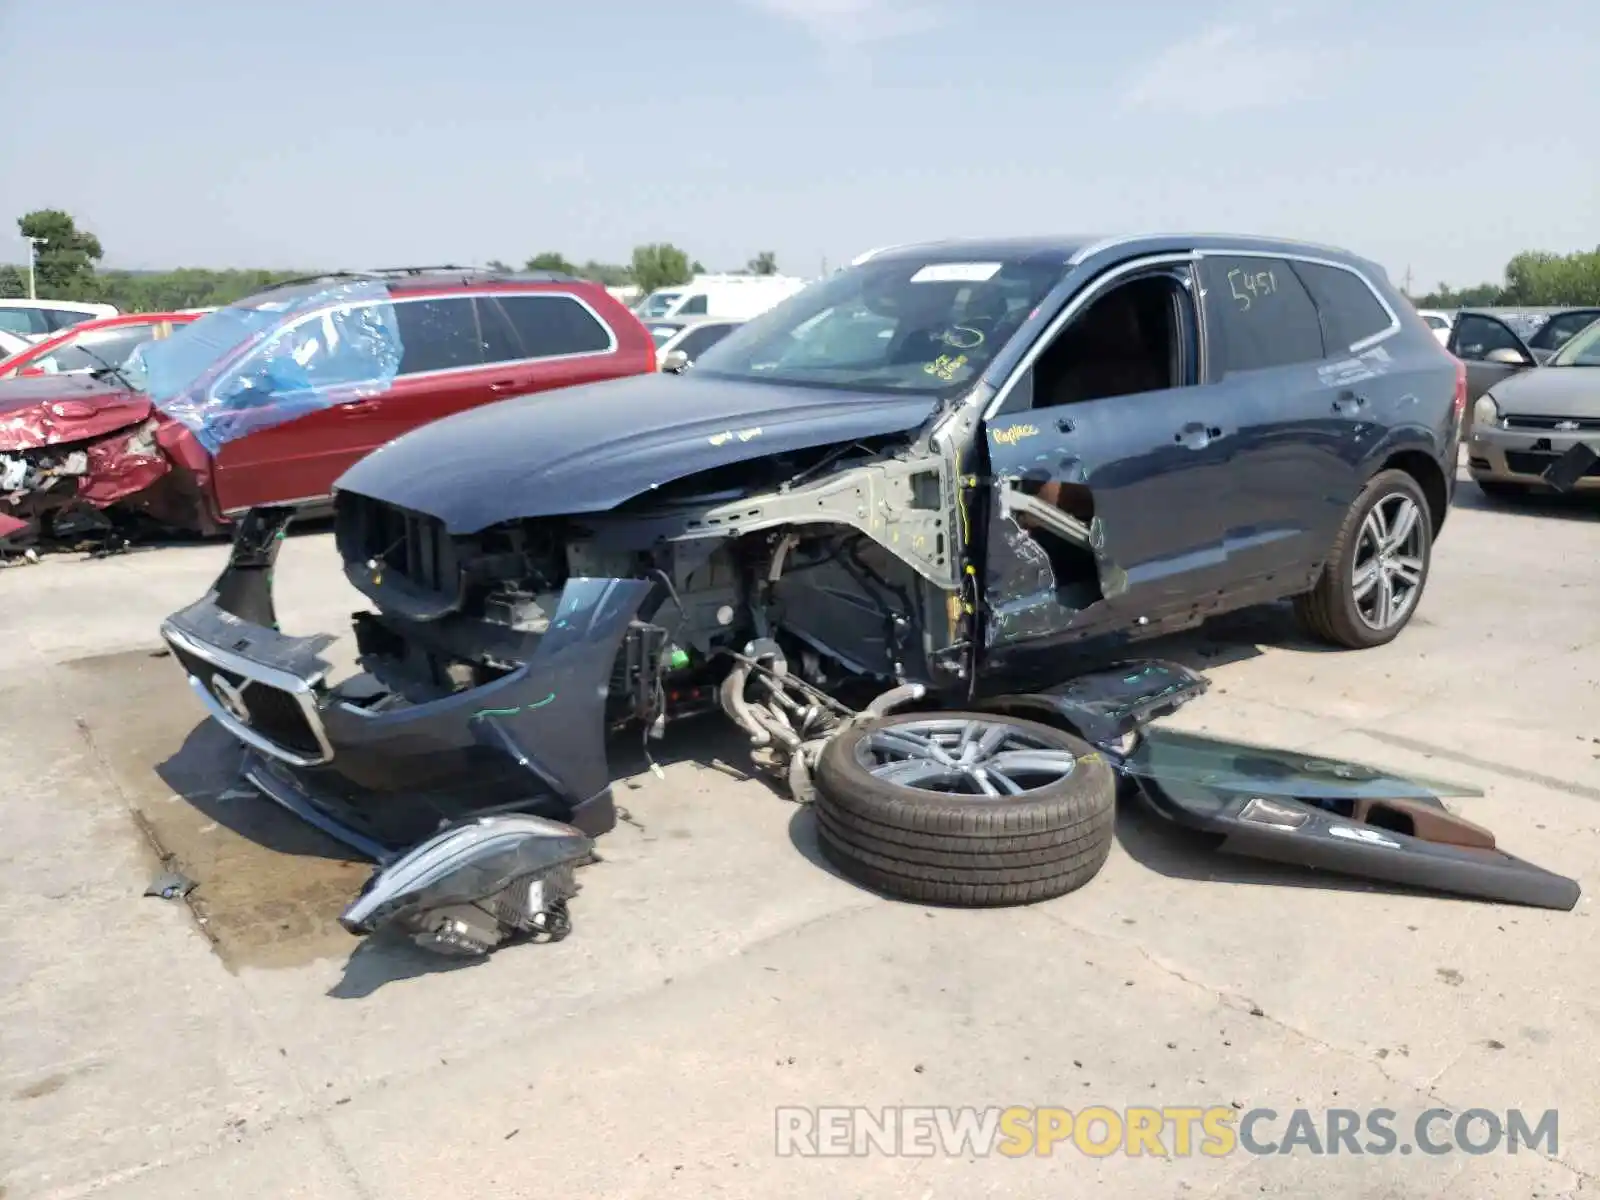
(1461, 389)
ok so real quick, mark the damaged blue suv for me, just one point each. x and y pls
(894, 529)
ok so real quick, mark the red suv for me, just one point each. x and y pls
(270, 400)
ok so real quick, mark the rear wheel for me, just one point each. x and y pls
(1373, 580)
(964, 809)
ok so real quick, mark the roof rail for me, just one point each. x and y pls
(466, 274)
(319, 277)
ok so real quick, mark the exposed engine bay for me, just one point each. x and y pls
(847, 575)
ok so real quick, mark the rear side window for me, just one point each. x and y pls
(1259, 314)
(552, 325)
(437, 335)
(1346, 305)
(694, 306)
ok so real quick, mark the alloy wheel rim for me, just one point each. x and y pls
(1389, 567)
(964, 756)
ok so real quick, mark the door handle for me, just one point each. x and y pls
(1348, 402)
(359, 406)
(1064, 425)
(502, 385)
(1195, 436)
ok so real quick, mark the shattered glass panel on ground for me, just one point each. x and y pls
(1191, 758)
(302, 350)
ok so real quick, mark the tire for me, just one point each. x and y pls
(1330, 611)
(1498, 489)
(966, 850)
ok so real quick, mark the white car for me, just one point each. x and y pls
(1439, 322)
(687, 338)
(729, 296)
(35, 319)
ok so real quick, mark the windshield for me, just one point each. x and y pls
(900, 325)
(1581, 350)
(656, 304)
(662, 334)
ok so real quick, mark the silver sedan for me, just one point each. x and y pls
(1524, 423)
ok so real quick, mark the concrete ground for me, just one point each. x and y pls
(242, 1045)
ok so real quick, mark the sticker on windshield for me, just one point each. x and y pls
(957, 272)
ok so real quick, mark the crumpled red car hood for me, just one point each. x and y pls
(48, 411)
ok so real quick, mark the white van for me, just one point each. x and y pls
(37, 319)
(738, 297)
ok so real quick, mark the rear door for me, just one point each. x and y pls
(1293, 471)
(1491, 351)
(441, 371)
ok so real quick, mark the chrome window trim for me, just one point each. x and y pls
(469, 296)
(1096, 288)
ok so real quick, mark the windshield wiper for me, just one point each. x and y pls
(107, 370)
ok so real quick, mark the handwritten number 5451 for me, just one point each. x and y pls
(1247, 285)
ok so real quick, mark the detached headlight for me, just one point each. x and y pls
(1485, 412)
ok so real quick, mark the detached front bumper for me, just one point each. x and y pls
(381, 773)
(1522, 456)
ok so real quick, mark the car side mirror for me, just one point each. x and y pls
(675, 363)
(1507, 357)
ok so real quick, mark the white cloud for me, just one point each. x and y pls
(844, 25)
(1231, 66)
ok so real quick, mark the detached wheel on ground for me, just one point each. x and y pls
(966, 809)
(1499, 489)
(1373, 579)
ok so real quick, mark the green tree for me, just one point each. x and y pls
(698, 267)
(609, 274)
(1541, 278)
(550, 260)
(498, 267)
(13, 281)
(64, 255)
(659, 265)
(764, 263)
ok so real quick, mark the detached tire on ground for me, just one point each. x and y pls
(892, 817)
(1384, 549)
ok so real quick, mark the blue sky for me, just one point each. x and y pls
(1439, 136)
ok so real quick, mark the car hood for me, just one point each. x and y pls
(1551, 392)
(49, 410)
(589, 448)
